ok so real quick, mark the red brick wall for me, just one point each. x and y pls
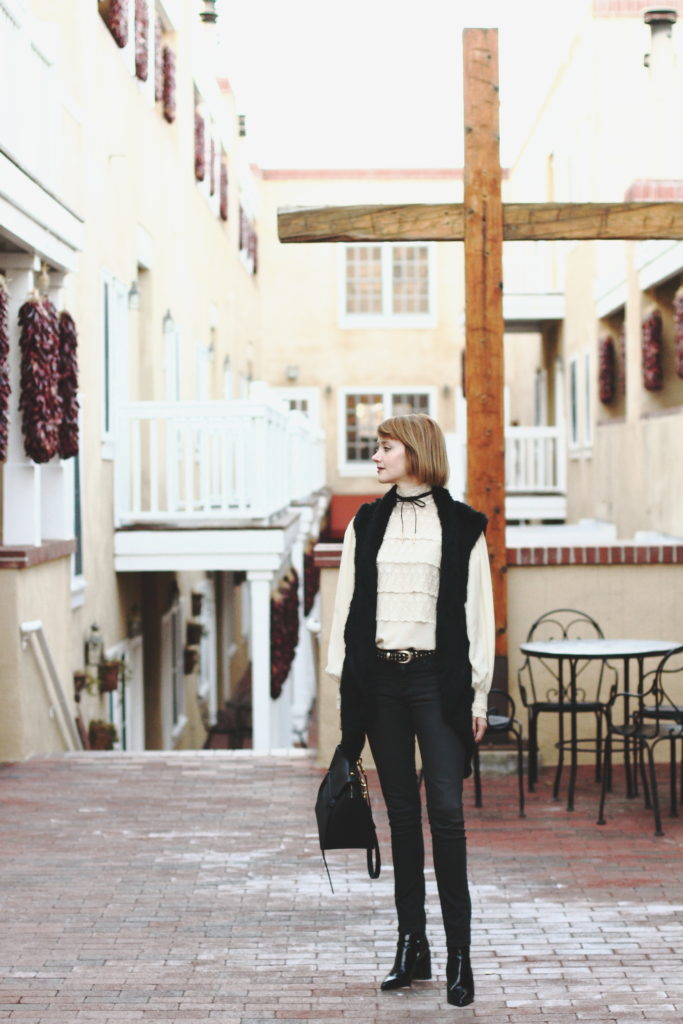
(629, 8)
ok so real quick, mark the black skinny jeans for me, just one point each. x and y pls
(408, 706)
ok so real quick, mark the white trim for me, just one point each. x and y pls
(114, 357)
(345, 467)
(533, 306)
(574, 406)
(352, 321)
(656, 261)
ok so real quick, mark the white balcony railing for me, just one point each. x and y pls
(535, 460)
(186, 462)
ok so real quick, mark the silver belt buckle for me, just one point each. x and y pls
(405, 657)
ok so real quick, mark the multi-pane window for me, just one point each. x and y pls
(387, 285)
(363, 411)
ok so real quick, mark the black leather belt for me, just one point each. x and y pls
(403, 657)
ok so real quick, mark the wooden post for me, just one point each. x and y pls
(484, 311)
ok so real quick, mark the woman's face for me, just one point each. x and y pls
(391, 462)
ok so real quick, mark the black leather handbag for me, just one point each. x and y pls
(344, 814)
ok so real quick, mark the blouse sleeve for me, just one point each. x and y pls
(481, 625)
(345, 582)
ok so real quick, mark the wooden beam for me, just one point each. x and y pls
(445, 222)
(484, 309)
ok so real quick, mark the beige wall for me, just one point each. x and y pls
(126, 173)
(300, 301)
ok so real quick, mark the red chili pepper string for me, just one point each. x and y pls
(607, 369)
(4, 370)
(141, 40)
(652, 350)
(68, 386)
(40, 401)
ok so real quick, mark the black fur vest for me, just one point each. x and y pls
(461, 526)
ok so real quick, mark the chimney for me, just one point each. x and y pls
(661, 142)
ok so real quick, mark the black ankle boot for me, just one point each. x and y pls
(413, 962)
(459, 980)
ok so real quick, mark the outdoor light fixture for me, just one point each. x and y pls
(94, 645)
(292, 373)
(208, 15)
(134, 296)
(169, 322)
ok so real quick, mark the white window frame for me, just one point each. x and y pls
(587, 401)
(366, 468)
(387, 319)
(574, 405)
(72, 466)
(114, 356)
(297, 396)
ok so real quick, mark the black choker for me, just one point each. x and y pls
(414, 500)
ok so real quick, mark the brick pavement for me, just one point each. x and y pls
(189, 888)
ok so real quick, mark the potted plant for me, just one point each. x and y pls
(102, 735)
(80, 684)
(109, 673)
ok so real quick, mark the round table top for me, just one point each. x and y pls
(597, 647)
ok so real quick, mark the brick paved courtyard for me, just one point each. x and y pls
(189, 888)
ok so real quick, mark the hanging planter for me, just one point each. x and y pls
(199, 147)
(141, 40)
(678, 324)
(40, 401)
(4, 369)
(68, 386)
(190, 660)
(109, 673)
(607, 369)
(652, 350)
(101, 735)
(169, 85)
(115, 14)
(194, 631)
(212, 167)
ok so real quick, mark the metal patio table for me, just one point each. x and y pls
(571, 653)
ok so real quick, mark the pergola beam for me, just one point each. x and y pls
(445, 222)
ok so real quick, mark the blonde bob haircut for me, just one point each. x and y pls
(425, 445)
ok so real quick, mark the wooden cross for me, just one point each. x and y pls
(482, 222)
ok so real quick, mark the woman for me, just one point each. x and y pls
(413, 644)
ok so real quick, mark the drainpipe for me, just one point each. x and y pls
(661, 142)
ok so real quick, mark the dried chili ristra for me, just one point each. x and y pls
(39, 400)
(68, 386)
(4, 370)
(652, 350)
(607, 369)
(169, 90)
(158, 61)
(678, 323)
(116, 17)
(141, 40)
(199, 147)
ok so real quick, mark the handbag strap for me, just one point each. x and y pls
(329, 878)
(373, 870)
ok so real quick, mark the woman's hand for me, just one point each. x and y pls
(478, 729)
